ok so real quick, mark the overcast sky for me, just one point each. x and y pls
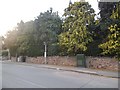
(13, 11)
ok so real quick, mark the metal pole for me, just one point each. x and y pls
(45, 52)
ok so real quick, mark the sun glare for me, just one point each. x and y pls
(13, 11)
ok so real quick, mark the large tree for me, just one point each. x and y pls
(10, 41)
(105, 21)
(28, 38)
(100, 29)
(48, 27)
(76, 36)
(111, 46)
(1, 42)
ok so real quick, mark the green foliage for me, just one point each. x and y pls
(112, 44)
(25, 37)
(10, 41)
(48, 27)
(106, 9)
(76, 35)
(4, 53)
(49, 24)
(28, 38)
(1, 39)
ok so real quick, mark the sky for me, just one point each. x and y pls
(13, 11)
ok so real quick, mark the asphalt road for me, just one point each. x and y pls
(21, 76)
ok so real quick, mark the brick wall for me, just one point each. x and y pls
(13, 59)
(54, 60)
(102, 63)
(92, 62)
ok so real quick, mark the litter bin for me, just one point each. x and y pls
(23, 58)
(81, 61)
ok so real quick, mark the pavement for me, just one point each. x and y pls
(110, 74)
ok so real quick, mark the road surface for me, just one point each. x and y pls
(21, 76)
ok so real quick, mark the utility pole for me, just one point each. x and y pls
(45, 54)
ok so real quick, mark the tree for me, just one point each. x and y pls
(105, 21)
(25, 39)
(106, 9)
(76, 36)
(1, 42)
(100, 28)
(28, 37)
(112, 44)
(48, 27)
(10, 41)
